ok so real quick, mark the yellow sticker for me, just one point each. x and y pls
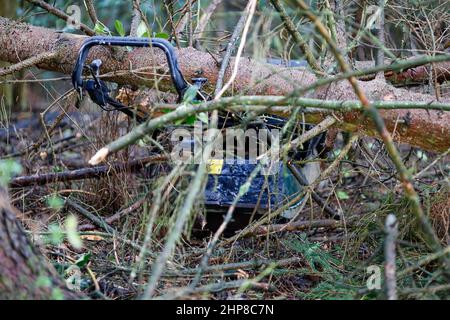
(215, 166)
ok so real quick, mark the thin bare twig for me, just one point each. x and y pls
(136, 18)
(157, 201)
(32, 61)
(298, 38)
(200, 28)
(229, 51)
(89, 4)
(391, 229)
(60, 14)
(318, 199)
(84, 173)
(297, 226)
(97, 220)
(250, 10)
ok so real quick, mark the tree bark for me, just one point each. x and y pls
(14, 95)
(24, 272)
(20, 41)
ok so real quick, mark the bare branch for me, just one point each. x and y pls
(60, 14)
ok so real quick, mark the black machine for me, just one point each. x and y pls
(97, 89)
(266, 192)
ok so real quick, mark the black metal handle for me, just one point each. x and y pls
(178, 80)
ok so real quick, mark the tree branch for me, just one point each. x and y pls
(60, 14)
(84, 173)
(292, 29)
(45, 56)
(20, 41)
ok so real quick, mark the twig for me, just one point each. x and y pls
(327, 172)
(136, 18)
(95, 233)
(250, 10)
(253, 283)
(181, 24)
(200, 28)
(432, 289)
(391, 229)
(169, 8)
(60, 14)
(331, 22)
(100, 222)
(230, 48)
(84, 173)
(379, 60)
(398, 66)
(181, 218)
(119, 214)
(292, 29)
(426, 260)
(46, 56)
(89, 4)
(54, 125)
(217, 287)
(296, 226)
(273, 103)
(441, 156)
(190, 29)
(252, 264)
(318, 199)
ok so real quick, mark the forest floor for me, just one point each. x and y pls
(312, 263)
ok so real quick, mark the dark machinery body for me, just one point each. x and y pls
(267, 192)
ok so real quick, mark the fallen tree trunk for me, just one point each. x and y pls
(19, 41)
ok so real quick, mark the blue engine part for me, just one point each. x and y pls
(265, 191)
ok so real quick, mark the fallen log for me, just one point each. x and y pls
(429, 130)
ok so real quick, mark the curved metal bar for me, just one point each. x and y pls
(180, 84)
